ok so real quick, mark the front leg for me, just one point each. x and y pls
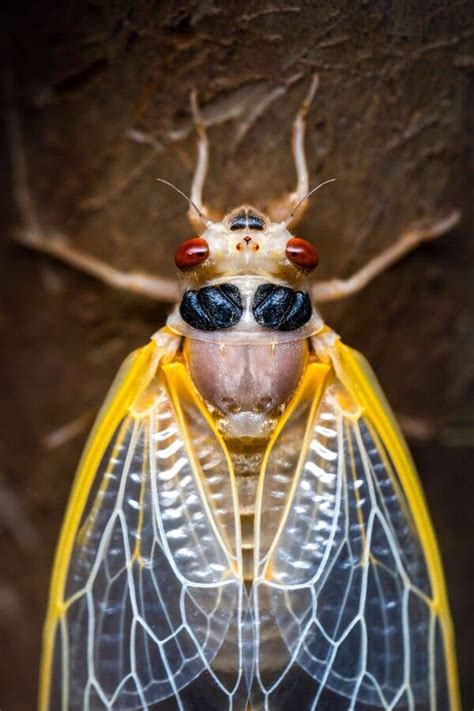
(282, 208)
(334, 289)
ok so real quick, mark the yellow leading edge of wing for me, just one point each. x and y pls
(133, 375)
(356, 375)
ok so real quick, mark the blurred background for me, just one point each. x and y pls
(100, 91)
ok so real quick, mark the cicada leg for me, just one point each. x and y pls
(200, 171)
(334, 289)
(280, 209)
(137, 282)
(32, 235)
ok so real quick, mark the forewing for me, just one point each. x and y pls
(147, 607)
(349, 598)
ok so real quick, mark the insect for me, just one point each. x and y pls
(246, 528)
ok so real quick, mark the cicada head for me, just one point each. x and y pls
(245, 243)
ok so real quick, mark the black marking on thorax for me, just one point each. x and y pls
(280, 308)
(212, 307)
(277, 308)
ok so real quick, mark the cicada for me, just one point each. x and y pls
(246, 528)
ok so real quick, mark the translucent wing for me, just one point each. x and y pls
(349, 599)
(147, 607)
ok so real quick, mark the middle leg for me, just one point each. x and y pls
(149, 285)
(334, 289)
(33, 235)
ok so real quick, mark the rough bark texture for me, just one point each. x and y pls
(391, 122)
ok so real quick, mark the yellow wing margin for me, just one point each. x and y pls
(356, 375)
(132, 377)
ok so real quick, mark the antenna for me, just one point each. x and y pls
(202, 217)
(292, 213)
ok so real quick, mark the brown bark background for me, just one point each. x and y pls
(392, 121)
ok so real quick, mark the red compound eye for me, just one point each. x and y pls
(191, 253)
(302, 253)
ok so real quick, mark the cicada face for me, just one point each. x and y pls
(245, 243)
